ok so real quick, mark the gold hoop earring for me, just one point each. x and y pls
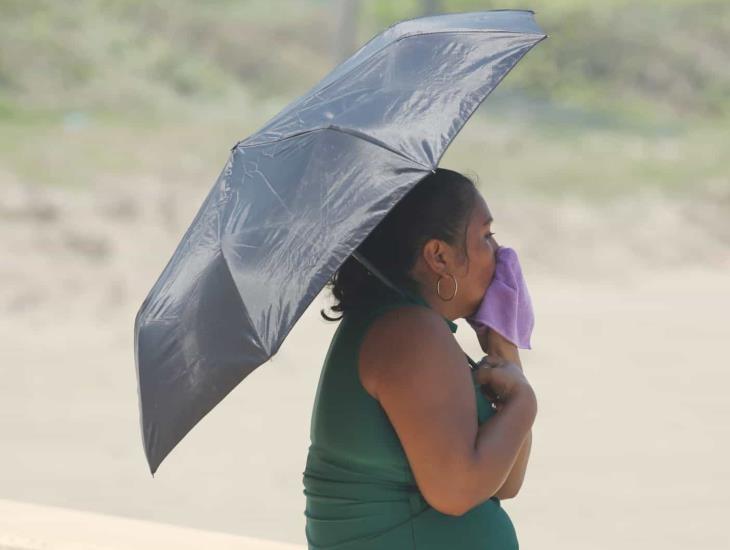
(438, 288)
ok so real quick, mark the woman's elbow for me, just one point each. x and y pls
(506, 492)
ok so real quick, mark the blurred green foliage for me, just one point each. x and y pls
(621, 94)
(649, 58)
(157, 57)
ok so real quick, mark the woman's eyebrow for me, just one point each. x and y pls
(490, 220)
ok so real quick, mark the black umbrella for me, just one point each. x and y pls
(296, 198)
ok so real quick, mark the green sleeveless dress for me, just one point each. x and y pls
(360, 490)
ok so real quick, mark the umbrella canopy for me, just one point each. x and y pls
(296, 198)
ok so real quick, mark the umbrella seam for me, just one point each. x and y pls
(389, 44)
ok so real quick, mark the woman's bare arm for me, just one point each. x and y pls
(516, 477)
(522, 410)
(426, 389)
(493, 343)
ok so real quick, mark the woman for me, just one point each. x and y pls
(406, 451)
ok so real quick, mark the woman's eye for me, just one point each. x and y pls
(490, 235)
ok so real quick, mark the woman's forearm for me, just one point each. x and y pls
(498, 446)
(516, 477)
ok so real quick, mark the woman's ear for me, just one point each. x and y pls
(436, 255)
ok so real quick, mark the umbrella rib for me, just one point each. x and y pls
(243, 305)
(376, 142)
(348, 131)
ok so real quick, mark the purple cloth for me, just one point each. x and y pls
(506, 306)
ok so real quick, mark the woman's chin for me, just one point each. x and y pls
(473, 309)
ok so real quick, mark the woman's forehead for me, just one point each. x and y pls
(481, 214)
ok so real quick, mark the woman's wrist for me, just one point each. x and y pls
(496, 345)
(508, 352)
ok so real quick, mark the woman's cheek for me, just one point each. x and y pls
(489, 274)
(489, 277)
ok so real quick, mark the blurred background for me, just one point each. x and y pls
(604, 157)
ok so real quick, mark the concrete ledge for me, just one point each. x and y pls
(26, 526)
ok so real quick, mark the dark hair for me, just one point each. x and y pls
(437, 207)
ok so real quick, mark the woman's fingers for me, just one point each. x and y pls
(492, 397)
(493, 360)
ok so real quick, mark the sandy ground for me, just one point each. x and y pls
(26, 526)
(630, 446)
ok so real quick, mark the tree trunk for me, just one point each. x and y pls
(346, 35)
(430, 7)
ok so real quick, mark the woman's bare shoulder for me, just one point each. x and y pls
(395, 338)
